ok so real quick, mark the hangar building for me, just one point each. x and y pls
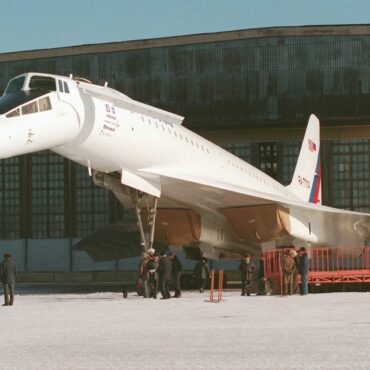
(250, 91)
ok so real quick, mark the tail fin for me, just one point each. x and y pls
(306, 182)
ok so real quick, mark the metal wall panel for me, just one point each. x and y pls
(231, 83)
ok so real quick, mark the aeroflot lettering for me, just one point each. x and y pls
(110, 123)
(110, 109)
(304, 182)
(109, 128)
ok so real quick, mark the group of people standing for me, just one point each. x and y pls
(294, 264)
(157, 272)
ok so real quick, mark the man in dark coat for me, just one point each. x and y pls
(247, 269)
(262, 289)
(176, 274)
(202, 274)
(165, 272)
(295, 257)
(143, 274)
(303, 268)
(8, 272)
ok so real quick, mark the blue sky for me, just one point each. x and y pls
(39, 24)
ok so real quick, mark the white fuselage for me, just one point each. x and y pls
(119, 139)
(115, 139)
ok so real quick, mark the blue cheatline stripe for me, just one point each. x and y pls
(316, 180)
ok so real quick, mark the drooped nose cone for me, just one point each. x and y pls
(31, 121)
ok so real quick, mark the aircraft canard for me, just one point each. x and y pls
(166, 172)
(125, 102)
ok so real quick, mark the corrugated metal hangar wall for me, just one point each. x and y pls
(250, 91)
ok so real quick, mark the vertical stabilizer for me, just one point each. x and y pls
(306, 182)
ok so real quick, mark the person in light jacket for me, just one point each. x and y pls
(288, 271)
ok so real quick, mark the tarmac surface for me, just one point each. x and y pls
(105, 331)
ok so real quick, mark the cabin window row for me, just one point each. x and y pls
(180, 136)
(256, 177)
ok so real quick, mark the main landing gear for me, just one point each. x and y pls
(146, 211)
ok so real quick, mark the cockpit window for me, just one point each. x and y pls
(60, 84)
(41, 105)
(66, 88)
(42, 83)
(14, 113)
(15, 85)
(44, 104)
(29, 108)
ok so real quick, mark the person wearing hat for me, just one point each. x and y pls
(247, 269)
(303, 268)
(8, 272)
(288, 271)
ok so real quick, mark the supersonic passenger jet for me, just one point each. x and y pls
(185, 190)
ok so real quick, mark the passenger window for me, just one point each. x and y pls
(14, 113)
(30, 108)
(44, 104)
(66, 88)
(60, 84)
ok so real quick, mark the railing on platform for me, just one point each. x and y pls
(327, 265)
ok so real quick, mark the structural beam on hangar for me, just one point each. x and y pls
(324, 30)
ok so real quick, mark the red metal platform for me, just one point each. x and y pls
(337, 265)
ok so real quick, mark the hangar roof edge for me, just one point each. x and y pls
(324, 30)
